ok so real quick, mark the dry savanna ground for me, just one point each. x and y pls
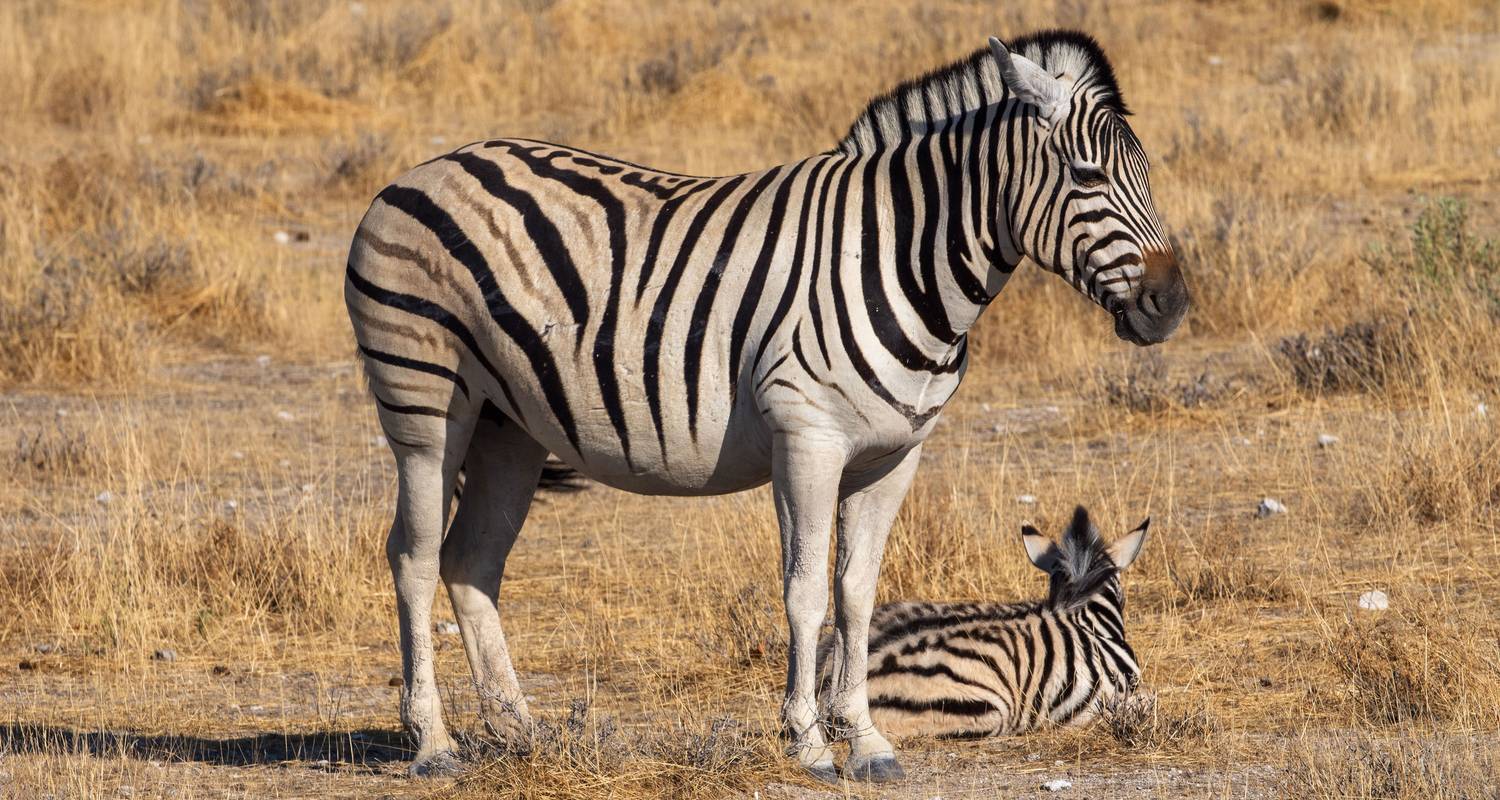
(193, 595)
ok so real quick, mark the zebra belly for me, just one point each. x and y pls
(729, 451)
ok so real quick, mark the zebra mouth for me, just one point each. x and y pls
(1126, 331)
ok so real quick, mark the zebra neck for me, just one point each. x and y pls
(930, 213)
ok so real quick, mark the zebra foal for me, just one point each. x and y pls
(669, 334)
(966, 670)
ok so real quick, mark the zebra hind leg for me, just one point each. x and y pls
(428, 451)
(502, 468)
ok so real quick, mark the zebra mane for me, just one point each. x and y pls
(1082, 565)
(963, 86)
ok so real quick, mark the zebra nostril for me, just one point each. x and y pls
(1150, 304)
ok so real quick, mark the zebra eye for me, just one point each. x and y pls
(1089, 175)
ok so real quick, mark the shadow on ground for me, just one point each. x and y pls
(357, 749)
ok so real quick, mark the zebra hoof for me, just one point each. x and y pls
(442, 764)
(879, 768)
(824, 773)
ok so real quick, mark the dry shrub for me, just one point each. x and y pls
(101, 272)
(81, 93)
(57, 452)
(1416, 664)
(1362, 356)
(1414, 765)
(586, 754)
(361, 164)
(1444, 284)
(1140, 722)
(1144, 386)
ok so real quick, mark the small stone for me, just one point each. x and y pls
(231, 505)
(284, 463)
(1265, 683)
(220, 670)
(1481, 410)
(44, 648)
(285, 416)
(1057, 785)
(1033, 757)
(1215, 61)
(63, 412)
(379, 441)
(438, 140)
(238, 455)
(1026, 499)
(125, 791)
(306, 488)
(1374, 600)
(263, 361)
(1326, 440)
(282, 237)
(26, 665)
(447, 628)
(395, 681)
(104, 498)
(1269, 507)
(302, 236)
(164, 654)
(1242, 441)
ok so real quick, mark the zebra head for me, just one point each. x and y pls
(1079, 202)
(1081, 566)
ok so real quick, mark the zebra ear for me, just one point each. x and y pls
(1039, 549)
(1030, 83)
(1124, 551)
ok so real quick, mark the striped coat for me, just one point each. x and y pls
(984, 669)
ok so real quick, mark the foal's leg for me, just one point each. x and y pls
(428, 453)
(867, 508)
(804, 475)
(501, 472)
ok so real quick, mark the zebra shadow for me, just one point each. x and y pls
(365, 751)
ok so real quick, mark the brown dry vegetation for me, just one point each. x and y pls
(1328, 170)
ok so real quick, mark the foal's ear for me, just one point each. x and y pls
(1125, 549)
(1039, 549)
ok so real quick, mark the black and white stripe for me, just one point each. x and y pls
(966, 670)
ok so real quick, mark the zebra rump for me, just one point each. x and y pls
(967, 670)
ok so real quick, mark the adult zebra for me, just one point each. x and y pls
(669, 334)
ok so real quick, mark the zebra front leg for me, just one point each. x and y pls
(804, 481)
(501, 472)
(426, 475)
(867, 507)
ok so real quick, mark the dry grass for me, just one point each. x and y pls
(177, 185)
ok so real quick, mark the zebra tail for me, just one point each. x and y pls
(561, 478)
